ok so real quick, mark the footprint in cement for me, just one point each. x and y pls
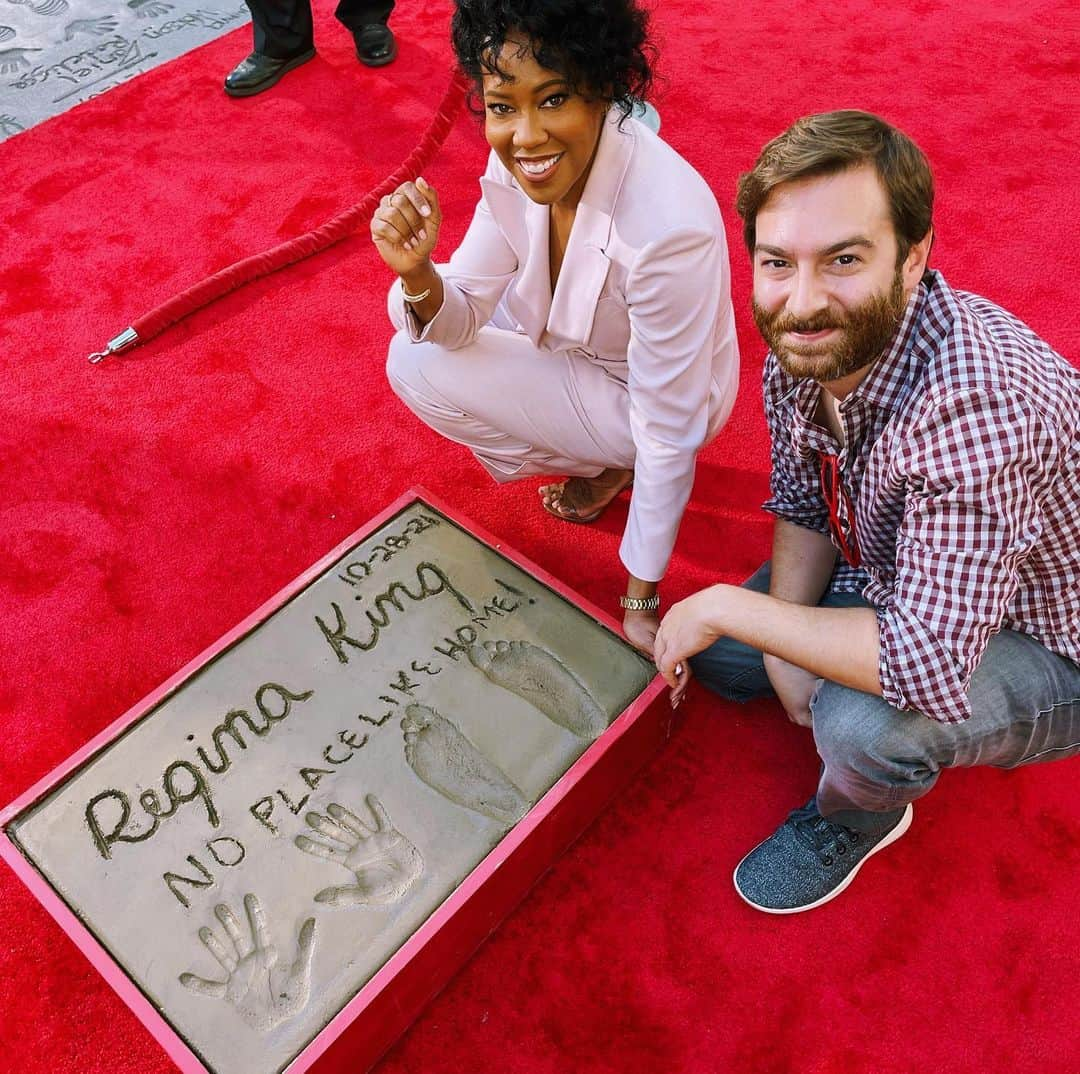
(449, 763)
(543, 680)
(44, 7)
(148, 9)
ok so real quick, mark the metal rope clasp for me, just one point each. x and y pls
(128, 338)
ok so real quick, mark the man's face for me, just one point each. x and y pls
(828, 293)
(544, 133)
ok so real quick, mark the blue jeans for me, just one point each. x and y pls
(1025, 703)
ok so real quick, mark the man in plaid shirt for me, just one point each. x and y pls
(922, 605)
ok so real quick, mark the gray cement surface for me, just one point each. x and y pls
(55, 54)
(260, 843)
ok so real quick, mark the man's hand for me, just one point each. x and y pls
(405, 227)
(794, 687)
(838, 644)
(683, 674)
(685, 631)
(640, 629)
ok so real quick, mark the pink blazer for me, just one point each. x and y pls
(644, 290)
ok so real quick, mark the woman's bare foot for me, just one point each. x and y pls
(584, 499)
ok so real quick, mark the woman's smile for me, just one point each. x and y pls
(538, 169)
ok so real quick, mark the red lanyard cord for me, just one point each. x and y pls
(832, 488)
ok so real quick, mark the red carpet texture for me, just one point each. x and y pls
(151, 503)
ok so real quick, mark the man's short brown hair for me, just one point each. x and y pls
(832, 142)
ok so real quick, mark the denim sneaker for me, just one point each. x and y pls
(809, 860)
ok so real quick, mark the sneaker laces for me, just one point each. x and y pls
(824, 837)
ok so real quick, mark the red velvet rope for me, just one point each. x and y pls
(333, 231)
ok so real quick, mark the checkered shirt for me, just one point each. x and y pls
(962, 462)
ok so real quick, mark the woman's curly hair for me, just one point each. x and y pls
(600, 46)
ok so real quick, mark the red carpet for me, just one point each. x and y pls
(150, 503)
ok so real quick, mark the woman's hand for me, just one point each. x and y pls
(640, 629)
(405, 227)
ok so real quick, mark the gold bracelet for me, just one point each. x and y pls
(411, 299)
(640, 604)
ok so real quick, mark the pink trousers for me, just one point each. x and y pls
(518, 409)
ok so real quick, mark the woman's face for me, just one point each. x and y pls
(544, 133)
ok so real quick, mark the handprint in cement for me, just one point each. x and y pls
(15, 59)
(383, 862)
(94, 27)
(264, 991)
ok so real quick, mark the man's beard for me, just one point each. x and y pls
(867, 329)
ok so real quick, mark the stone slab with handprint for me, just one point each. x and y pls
(254, 842)
(55, 54)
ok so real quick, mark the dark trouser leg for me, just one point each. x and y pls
(1025, 703)
(356, 13)
(736, 671)
(282, 28)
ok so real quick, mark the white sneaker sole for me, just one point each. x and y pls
(902, 826)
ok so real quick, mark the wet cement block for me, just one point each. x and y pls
(249, 849)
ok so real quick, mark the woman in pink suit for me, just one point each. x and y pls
(584, 325)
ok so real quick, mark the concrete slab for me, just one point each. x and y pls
(254, 847)
(54, 54)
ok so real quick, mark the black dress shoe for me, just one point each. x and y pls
(375, 44)
(259, 72)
